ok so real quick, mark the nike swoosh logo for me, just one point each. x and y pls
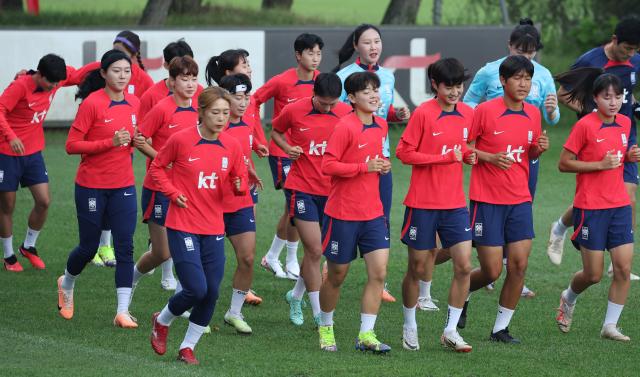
(108, 120)
(497, 132)
(467, 229)
(437, 133)
(360, 146)
(219, 238)
(386, 238)
(252, 220)
(173, 125)
(291, 100)
(193, 159)
(128, 193)
(600, 140)
(533, 162)
(304, 129)
(32, 104)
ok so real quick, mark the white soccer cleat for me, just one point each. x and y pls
(454, 341)
(555, 247)
(564, 317)
(610, 331)
(292, 270)
(427, 304)
(169, 284)
(273, 266)
(410, 339)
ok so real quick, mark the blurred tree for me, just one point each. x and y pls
(437, 12)
(10, 5)
(277, 4)
(603, 9)
(505, 12)
(186, 6)
(155, 12)
(401, 12)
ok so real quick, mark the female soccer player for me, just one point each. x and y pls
(23, 108)
(354, 217)
(507, 134)
(366, 41)
(302, 130)
(204, 160)
(105, 185)
(596, 150)
(171, 115)
(434, 144)
(285, 88)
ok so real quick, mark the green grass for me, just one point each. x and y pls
(36, 341)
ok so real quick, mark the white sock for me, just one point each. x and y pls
(124, 297)
(167, 269)
(453, 316)
(237, 300)
(502, 319)
(326, 318)
(191, 338)
(166, 317)
(276, 248)
(314, 297)
(105, 238)
(178, 286)
(367, 322)
(299, 289)
(425, 288)
(613, 313)
(68, 282)
(137, 275)
(7, 246)
(292, 252)
(409, 317)
(570, 296)
(559, 229)
(31, 238)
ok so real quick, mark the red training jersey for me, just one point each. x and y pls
(590, 140)
(254, 113)
(497, 129)
(201, 169)
(309, 129)
(355, 193)
(427, 144)
(138, 84)
(159, 91)
(102, 164)
(243, 132)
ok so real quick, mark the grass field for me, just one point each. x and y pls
(36, 341)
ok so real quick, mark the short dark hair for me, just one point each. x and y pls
(231, 82)
(628, 30)
(307, 41)
(605, 81)
(360, 80)
(177, 48)
(53, 68)
(226, 61)
(448, 71)
(327, 85)
(515, 64)
(183, 65)
(525, 36)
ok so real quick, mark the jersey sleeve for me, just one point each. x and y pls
(145, 104)
(576, 139)
(336, 148)
(165, 157)
(239, 170)
(152, 122)
(76, 141)
(477, 89)
(548, 87)
(282, 122)
(410, 140)
(79, 74)
(266, 92)
(146, 82)
(8, 101)
(71, 71)
(477, 126)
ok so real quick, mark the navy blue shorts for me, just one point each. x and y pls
(305, 207)
(154, 206)
(499, 224)
(602, 229)
(23, 170)
(386, 196)
(534, 168)
(240, 221)
(254, 194)
(341, 239)
(420, 227)
(630, 172)
(280, 167)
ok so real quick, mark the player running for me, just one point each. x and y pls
(105, 186)
(435, 145)
(203, 161)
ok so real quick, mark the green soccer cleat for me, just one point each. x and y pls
(107, 254)
(238, 322)
(97, 261)
(327, 340)
(295, 309)
(367, 341)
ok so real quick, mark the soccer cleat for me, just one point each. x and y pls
(410, 339)
(107, 254)
(65, 301)
(186, 356)
(454, 341)
(97, 261)
(610, 331)
(158, 335)
(273, 266)
(527, 293)
(238, 322)
(367, 341)
(427, 304)
(327, 340)
(32, 255)
(316, 320)
(565, 314)
(295, 309)
(169, 284)
(462, 322)
(555, 247)
(386, 295)
(125, 320)
(292, 270)
(12, 264)
(503, 336)
(490, 287)
(252, 299)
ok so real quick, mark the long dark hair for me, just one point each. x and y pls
(579, 84)
(347, 50)
(226, 61)
(94, 80)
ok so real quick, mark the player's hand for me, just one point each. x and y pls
(634, 153)
(262, 151)
(375, 165)
(17, 146)
(386, 167)
(550, 103)
(610, 161)
(121, 138)
(403, 113)
(20, 73)
(295, 152)
(237, 182)
(139, 141)
(502, 160)
(181, 201)
(471, 158)
(253, 176)
(543, 142)
(457, 153)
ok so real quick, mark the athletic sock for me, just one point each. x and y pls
(314, 298)
(237, 300)
(409, 317)
(276, 248)
(425, 288)
(105, 238)
(191, 338)
(124, 298)
(453, 316)
(326, 318)
(166, 317)
(137, 275)
(178, 286)
(167, 270)
(559, 229)
(292, 252)
(7, 246)
(570, 296)
(31, 238)
(68, 282)
(502, 319)
(613, 313)
(367, 322)
(298, 289)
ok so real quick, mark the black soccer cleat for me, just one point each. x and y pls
(503, 336)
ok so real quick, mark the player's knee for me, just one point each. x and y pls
(246, 261)
(417, 270)
(621, 273)
(42, 204)
(493, 273)
(197, 292)
(593, 277)
(462, 269)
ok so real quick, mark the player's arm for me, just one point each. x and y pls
(540, 146)
(412, 136)
(265, 93)
(281, 124)
(76, 141)
(8, 101)
(149, 126)
(239, 173)
(569, 163)
(332, 159)
(549, 108)
(500, 159)
(165, 158)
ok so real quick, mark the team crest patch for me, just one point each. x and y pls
(131, 89)
(133, 120)
(529, 137)
(413, 233)
(93, 206)
(225, 163)
(585, 233)
(188, 243)
(300, 205)
(624, 139)
(633, 78)
(157, 211)
(286, 169)
(1, 176)
(477, 228)
(334, 247)
(465, 133)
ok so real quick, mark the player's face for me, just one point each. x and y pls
(369, 47)
(216, 116)
(242, 67)
(310, 58)
(449, 95)
(117, 75)
(625, 51)
(45, 84)
(324, 104)
(239, 103)
(184, 85)
(608, 102)
(517, 86)
(529, 54)
(367, 100)
(121, 47)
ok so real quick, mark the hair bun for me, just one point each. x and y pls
(526, 21)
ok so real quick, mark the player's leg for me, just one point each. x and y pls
(386, 197)
(461, 259)
(271, 260)
(36, 178)
(622, 258)
(106, 252)
(555, 247)
(311, 238)
(7, 207)
(631, 184)
(416, 264)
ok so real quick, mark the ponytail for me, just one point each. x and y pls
(579, 86)
(212, 71)
(139, 59)
(348, 48)
(226, 61)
